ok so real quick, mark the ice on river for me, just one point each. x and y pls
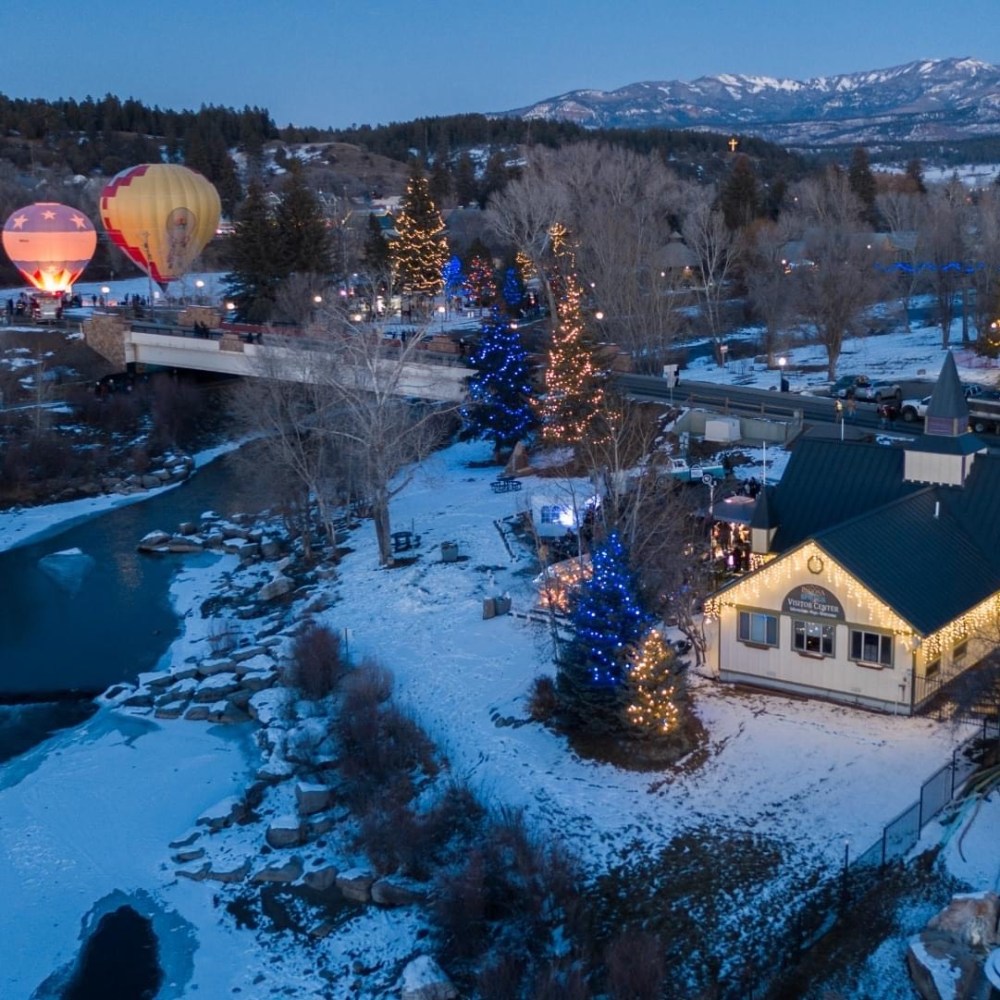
(67, 569)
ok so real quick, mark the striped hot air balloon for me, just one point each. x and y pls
(161, 215)
(50, 244)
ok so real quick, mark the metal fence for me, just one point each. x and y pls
(901, 834)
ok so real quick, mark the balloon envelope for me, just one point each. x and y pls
(50, 244)
(161, 215)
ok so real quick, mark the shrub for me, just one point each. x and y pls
(316, 664)
(636, 966)
(543, 700)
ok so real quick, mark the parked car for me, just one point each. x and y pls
(878, 392)
(679, 468)
(914, 409)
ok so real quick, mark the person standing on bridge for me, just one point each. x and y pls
(852, 408)
(838, 407)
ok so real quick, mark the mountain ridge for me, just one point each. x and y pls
(927, 99)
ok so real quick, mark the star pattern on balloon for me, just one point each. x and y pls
(48, 215)
(19, 222)
(79, 221)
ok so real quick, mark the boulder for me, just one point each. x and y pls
(180, 544)
(195, 874)
(393, 891)
(230, 714)
(356, 885)
(216, 688)
(197, 713)
(942, 968)
(287, 872)
(229, 873)
(246, 653)
(216, 665)
(153, 541)
(321, 878)
(241, 699)
(155, 680)
(258, 680)
(170, 710)
(277, 587)
(424, 979)
(275, 771)
(312, 798)
(285, 831)
(186, 840)
(150, 482)
(972, 919)
(182, 690)
(184, 671)
(247, 665)
(141, 699)
(270, 549)
(187, 527)
(225, 813)
(187, 854)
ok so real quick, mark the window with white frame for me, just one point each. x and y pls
(813, 638)
(757, 628)
(871, 647)
(960, 651)
(551, 513)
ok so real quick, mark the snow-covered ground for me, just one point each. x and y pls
(86, 817)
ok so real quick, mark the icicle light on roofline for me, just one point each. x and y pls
(860, 604)
(983, 619)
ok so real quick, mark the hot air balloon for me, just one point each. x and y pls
(50, 244)
(161, 215)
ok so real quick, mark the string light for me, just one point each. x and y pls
(420, 252)
(652, 687)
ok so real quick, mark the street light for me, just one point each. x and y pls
(441, 312)
(199, 284)
(781, 373)
(598, 315)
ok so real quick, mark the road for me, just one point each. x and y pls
(761, 402)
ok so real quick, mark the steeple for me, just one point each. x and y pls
(945, 453)
(947, 412)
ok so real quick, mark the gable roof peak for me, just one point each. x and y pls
(948, 403)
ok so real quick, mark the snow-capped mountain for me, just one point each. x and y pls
(933, 99)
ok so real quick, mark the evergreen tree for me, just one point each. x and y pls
(375, 252)
(256, 269)
(574, 382)
(915, 176)
(304, 243)
(610, 622)
(739, 197)
(454, 279)
(862, 183)
(439, 184)
(421, 250)
(499, 407)
(466, 186)
(480, 285)
(513, 290)
(655, 691)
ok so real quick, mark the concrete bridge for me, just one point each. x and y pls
(431, 375)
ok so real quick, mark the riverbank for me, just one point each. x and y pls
(91, 815)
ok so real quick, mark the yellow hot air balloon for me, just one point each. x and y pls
(161, 215)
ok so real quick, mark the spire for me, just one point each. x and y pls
(947, 412)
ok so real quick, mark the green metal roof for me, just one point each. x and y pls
(827, 482)
(930, 552)
(917, 556)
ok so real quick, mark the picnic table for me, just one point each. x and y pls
(403, 541)
(505, 484)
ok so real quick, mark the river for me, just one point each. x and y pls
(82, 609)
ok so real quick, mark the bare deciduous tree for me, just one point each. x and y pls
(840, 281)
(941, 244)
(768, 285)
(714, 245)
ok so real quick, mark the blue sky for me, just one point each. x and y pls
(332, 63)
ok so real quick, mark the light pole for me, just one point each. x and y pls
(441, 312)
(105, 291)
(200, 285)
(781, 374)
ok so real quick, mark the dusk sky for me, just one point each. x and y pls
(330, 63)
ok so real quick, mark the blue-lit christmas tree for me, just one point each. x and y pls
(513, 290)
(610, 623)
(608, 615)
(499, 407)
(454, 279)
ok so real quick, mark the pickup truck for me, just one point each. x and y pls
(984, 411)
(678, 468)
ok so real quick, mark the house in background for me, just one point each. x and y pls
(876, 574)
